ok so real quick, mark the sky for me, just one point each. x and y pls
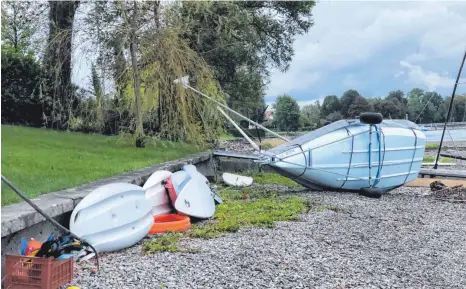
(371, 46)
(376, 47)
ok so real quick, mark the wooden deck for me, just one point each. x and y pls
(443, 173)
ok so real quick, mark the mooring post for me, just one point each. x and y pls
(449, 110)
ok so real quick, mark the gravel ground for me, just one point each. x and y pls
(403, 240)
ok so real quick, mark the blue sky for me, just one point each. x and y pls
(375, 47)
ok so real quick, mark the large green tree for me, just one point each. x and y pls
(287, 113)
(348, 98)
(359, 106)
(331, 104)
(242, 40)
(310, 115)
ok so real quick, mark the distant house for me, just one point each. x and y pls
(268, 115)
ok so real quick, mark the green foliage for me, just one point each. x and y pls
(310, 116)
(249, 207)
(432, 146)
(19, 26)
(274, 179)
(348, 98)
(99, 97)
(334, 116)
(331, 104)
(287, 113)
(359, 106)
(21, 79)
(241, 42)
(458, 112)
(40, 161)
(165, 243)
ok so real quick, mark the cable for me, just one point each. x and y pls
(48, 218)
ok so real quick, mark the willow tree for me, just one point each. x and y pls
(146, 55)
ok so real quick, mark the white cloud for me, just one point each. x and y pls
(287, 82)
(418, 76)
(350, 33)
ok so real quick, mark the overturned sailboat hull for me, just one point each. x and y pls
(350, 155)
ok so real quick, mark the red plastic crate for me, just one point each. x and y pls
(33, 272)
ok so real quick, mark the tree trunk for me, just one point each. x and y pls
(136, 78)
(57, 61)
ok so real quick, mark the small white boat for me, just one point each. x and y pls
(113, 217)
(191, 195)
(157, 194)
(236, 180)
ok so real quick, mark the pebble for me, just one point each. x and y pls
(406, 239)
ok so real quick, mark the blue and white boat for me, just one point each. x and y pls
(352, 155)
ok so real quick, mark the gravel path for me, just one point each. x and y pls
(403, 240)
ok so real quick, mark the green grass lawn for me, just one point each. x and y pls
(39, 161)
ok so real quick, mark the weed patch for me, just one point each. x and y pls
(432, 146)
(274, 179)
(164, 243)
(249, 207)
(245, 207)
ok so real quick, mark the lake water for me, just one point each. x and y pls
(456, 134)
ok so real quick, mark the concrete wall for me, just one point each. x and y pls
(21, 220)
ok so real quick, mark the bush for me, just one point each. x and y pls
(21, 75)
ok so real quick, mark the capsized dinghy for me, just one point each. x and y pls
(352, 155)
(156, 192)
(113, 217)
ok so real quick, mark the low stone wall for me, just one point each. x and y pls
(21, 220)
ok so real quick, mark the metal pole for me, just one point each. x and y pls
(449, 110)
(240, 115)
(254, 145)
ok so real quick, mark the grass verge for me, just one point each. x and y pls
(432, 146)
(441, 160)
(39, 161)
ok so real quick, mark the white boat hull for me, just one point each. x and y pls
(236, 180)
(157, 194)
(336, 157)
(112, 217)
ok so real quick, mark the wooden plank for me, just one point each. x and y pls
(420, 182)
(443, 173)
(453, 156)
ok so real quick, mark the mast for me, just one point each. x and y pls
(449, 110)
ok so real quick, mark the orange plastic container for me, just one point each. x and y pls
(34, 272)
(170, 223)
